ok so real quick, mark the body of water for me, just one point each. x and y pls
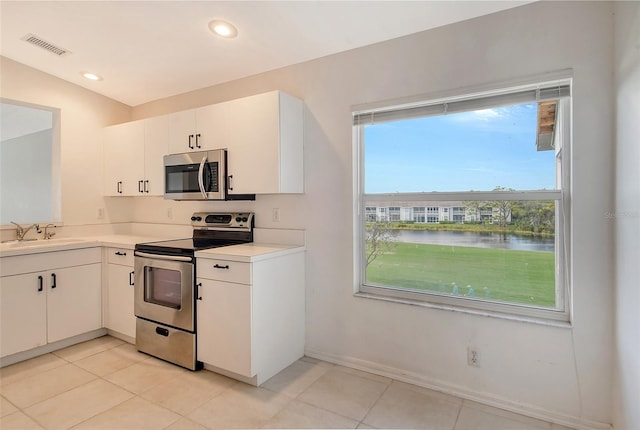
(478, 240)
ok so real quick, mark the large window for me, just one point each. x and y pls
(29, 163)
(491, 169)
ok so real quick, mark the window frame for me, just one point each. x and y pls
(562, 312)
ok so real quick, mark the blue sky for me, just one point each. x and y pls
(477, 150)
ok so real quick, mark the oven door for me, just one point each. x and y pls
(164, 290)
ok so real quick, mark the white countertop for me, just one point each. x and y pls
(248, 252)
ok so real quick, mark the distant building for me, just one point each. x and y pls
(429, 212)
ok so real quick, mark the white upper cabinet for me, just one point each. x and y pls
(263, 136)
(156, 146)
(265, 144)
(123, 147)
(133, 152)
(200, 129)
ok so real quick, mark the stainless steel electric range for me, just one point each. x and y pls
(165, 287)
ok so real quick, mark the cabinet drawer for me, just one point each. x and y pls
(120, 256)
(227, 271)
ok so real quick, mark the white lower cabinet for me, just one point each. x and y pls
(49, 297)
(74, 306)
(224, 326)
(250, 316)
(119, 313)
(23, 313)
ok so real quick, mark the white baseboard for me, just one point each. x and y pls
(50, 347)
(459, 391)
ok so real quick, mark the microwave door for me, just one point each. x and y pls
(201, 177)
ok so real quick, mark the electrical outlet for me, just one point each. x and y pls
(276, 215)
(169, 213)
(473, 356)
(100, 214)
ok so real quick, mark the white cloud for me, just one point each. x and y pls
(487, 114)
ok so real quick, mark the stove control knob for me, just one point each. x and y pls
(196, 218)
(238, 219)
(245, 219)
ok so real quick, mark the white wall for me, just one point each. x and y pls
(83, 114)
(559, 373)
(626, 215)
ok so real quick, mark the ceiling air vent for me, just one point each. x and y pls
(35, 40)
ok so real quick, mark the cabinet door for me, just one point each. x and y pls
(182, 130)
(120, 316)
(74, 301)
(156, 146)
(211, 123)
(123, 148)
(253, 143)
(23, 313)
(224, 326)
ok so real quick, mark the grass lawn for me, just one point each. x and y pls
(525, 277)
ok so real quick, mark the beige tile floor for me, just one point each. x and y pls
(106, 384)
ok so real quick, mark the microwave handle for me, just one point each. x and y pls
(201, 177)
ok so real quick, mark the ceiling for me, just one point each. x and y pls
(150, 50)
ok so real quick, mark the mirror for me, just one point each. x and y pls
(29, 162)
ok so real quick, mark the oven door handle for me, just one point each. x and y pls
(201, 177)
(162, 257)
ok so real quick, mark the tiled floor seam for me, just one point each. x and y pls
(298, 399)
(458, 415)
(24, 410)
(374, 404)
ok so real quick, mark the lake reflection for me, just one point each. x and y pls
(478, 240)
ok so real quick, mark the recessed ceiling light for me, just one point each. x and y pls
(223, 29)
(91, 76)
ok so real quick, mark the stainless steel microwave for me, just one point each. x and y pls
(196, 175)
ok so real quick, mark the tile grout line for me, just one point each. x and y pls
(455, 423)
(375, 403)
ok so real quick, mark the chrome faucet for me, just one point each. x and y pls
(21, 232)
(46, 234)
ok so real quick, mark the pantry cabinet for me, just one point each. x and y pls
(200, 129)
(119, 309)
(49, 297)
(250, 315)
(133, 157)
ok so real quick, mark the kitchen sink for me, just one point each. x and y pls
(9, 242)
(34, 243)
